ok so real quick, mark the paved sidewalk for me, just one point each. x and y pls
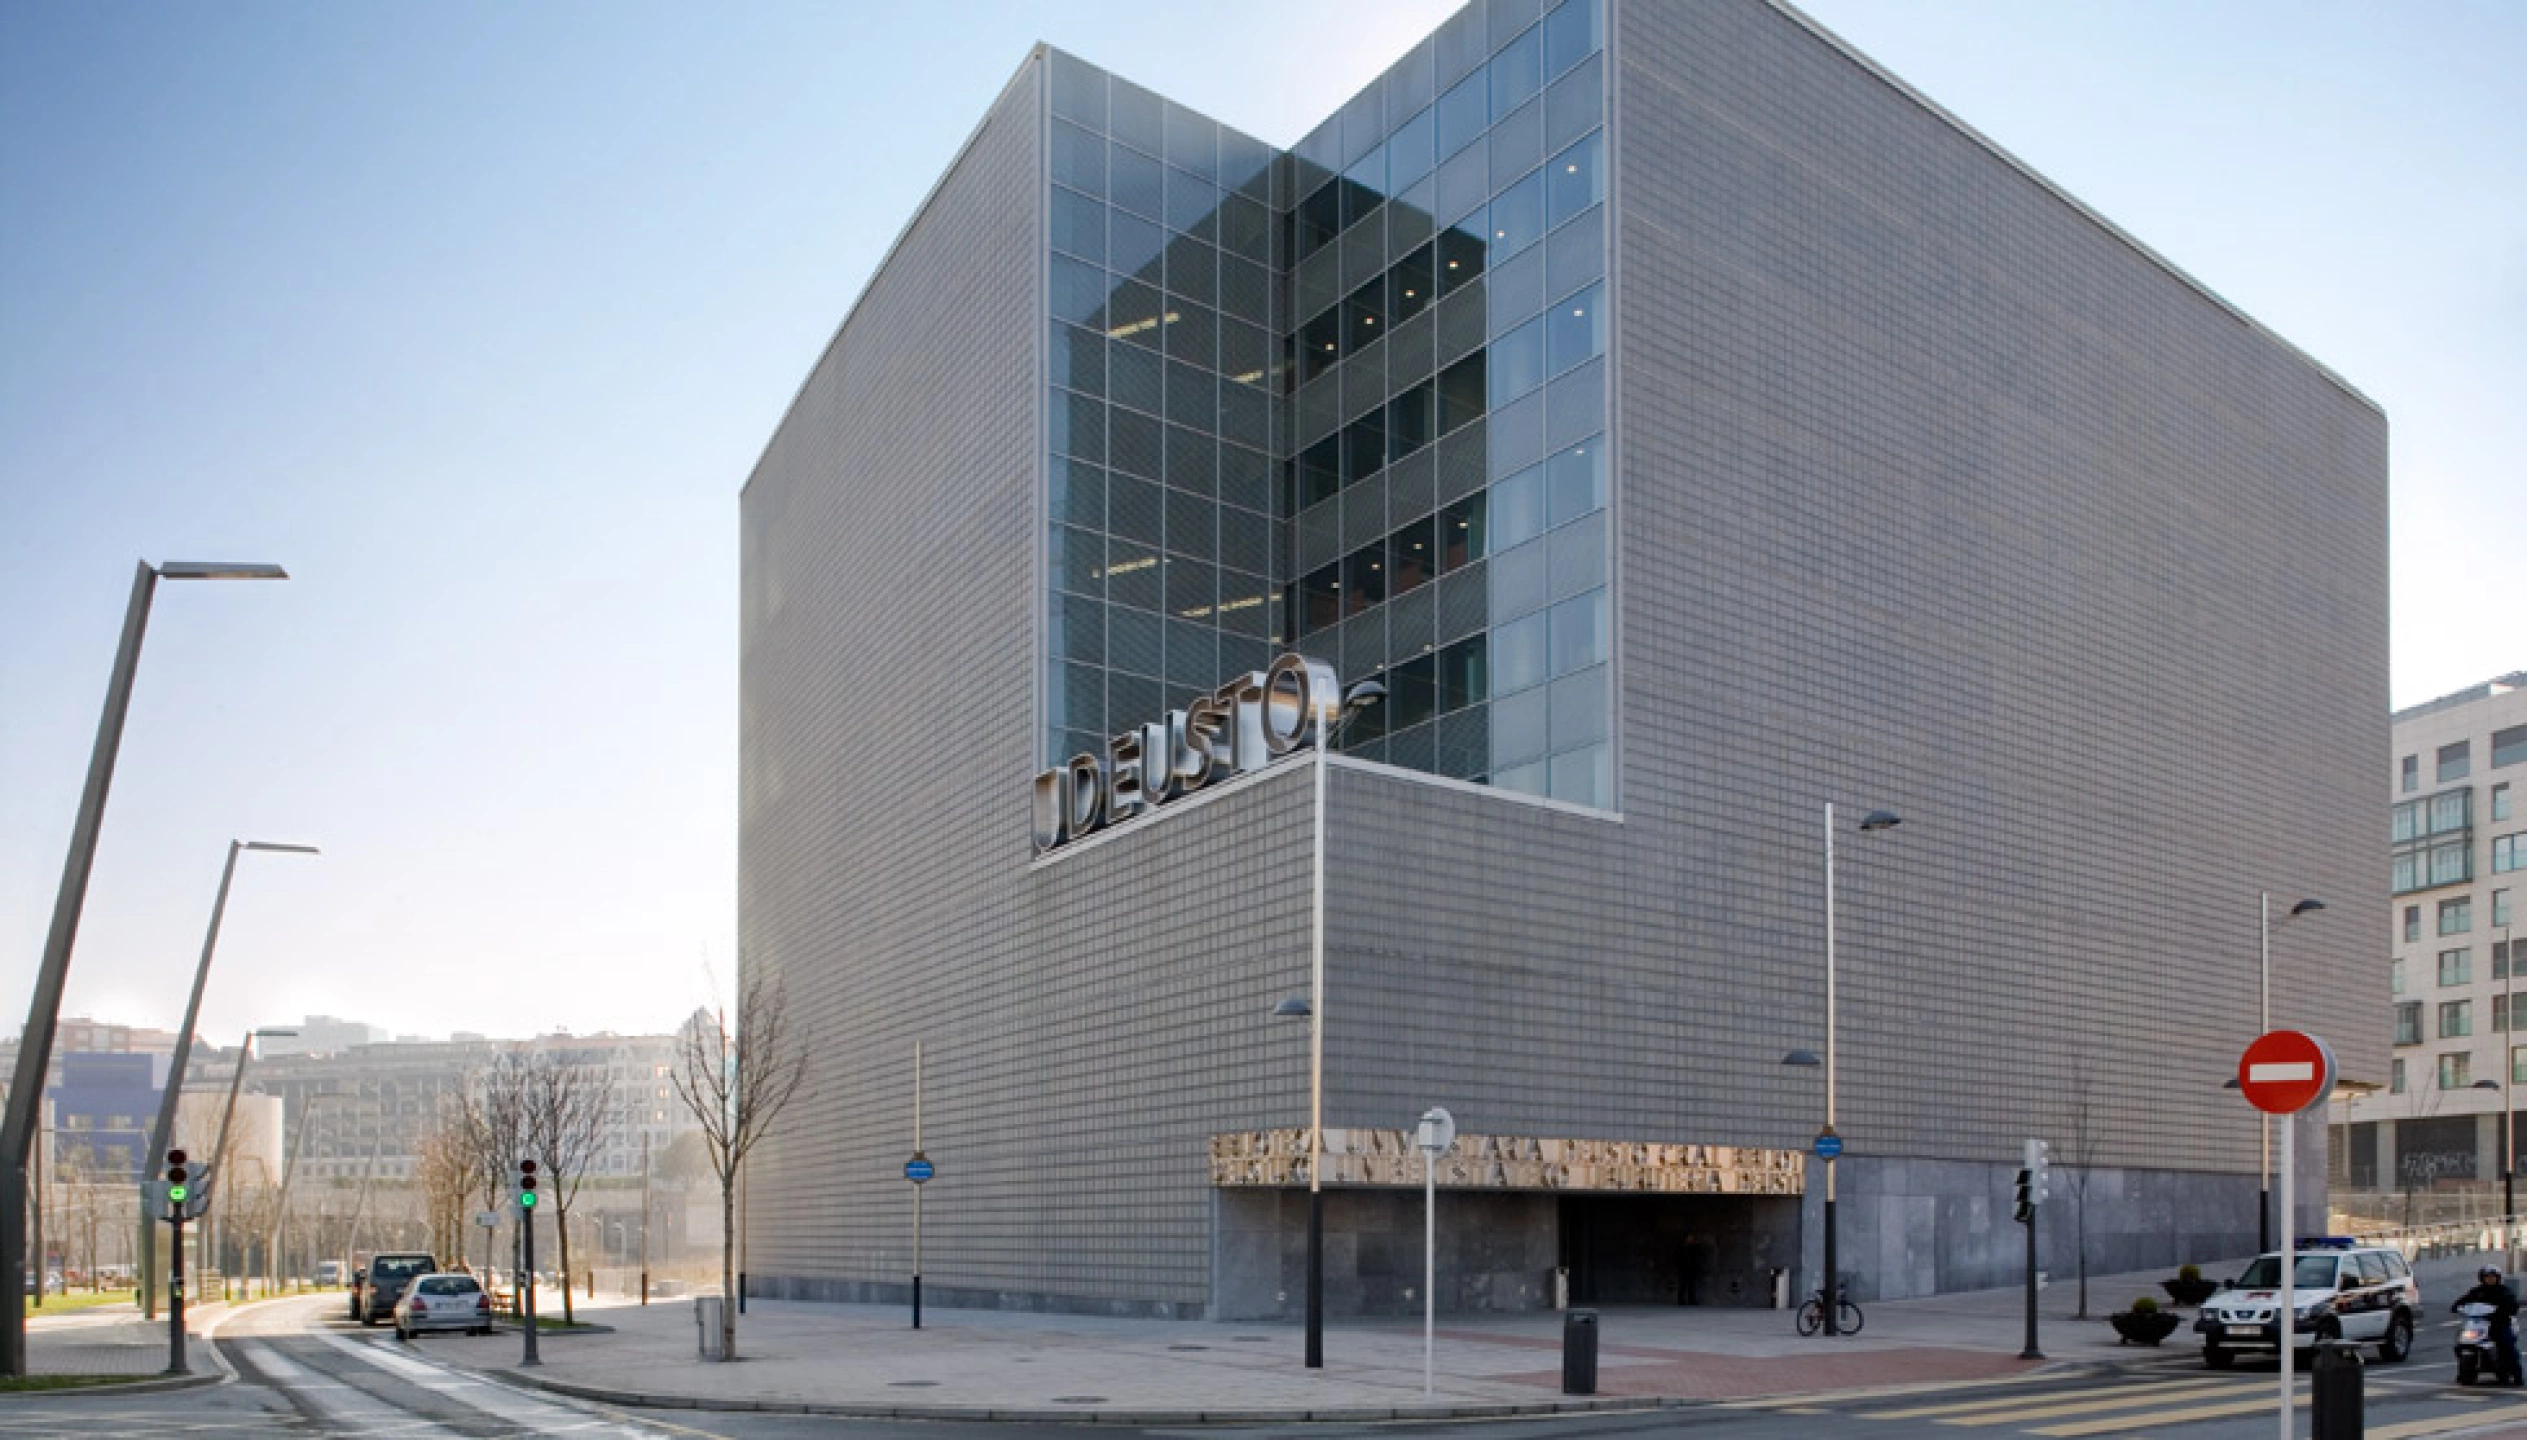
(115, 1340)
(866, 1360)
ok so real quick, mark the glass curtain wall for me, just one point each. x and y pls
(1445, 367)
(1163, 415)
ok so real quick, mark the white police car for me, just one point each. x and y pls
(2342, 1290)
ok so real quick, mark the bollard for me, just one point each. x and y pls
(1579, 1352)
(2334, 1392)
(706, 1320)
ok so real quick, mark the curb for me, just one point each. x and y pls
(190, 1380)
(1502, 1410)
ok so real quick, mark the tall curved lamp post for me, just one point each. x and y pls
(1329, 723)
(35, 1042)
(1871, 823)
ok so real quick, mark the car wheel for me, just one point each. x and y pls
(2399, 1340)
(2215, 1358)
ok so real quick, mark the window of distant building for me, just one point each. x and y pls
(2508, 854)
(2395, 1077)
(2456, 967)
(2509, 747)
(2456, 1019)
(2456, 1072)
(2412, 774)
(2456, 917)
(2412, 922)
(2395, 977)
(2500, 801)
(2455, 761)
(2408, 1023)
(2500, 909)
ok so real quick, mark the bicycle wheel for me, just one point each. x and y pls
(1847, 1317)
(1811, 1318)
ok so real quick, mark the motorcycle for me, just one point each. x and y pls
(2477, 1351)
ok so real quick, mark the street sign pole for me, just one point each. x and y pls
(922, 1163)
(2284, 1073)
(526, 1281)
(175, 1294)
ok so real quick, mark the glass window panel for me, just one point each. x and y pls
(1193, 271)
(1524, 779)
(1192, 586)
(1133, 509)
(1363, 579)
(1574, 29)
(1364, 447)
(1133, 378)
(1412, 153)
(1366, 185)
(1575, 179)
(1133, 313)
(1518, 508)
(1519, 655)
(1136, 181)
(1079, 561)
(1079, 91)
(1517, 72)
(1364, 317)
(1079, 291)
(1134, 643)
(1579, 637)
(1576, 103)
(1137, 115)
(1245, 229)
(1579, 709)
(1079, 159)
(1413, 554)
(1245, 352)
(1464, 677)
(1517, 215)
(1574, 330)
(1520, 729)
(1464, 183)
(1133, 444)
(1136, 245)
(1319, 218)
(1463, 530)
(1409, 285)
(1461, 388)
(1078, 492)
(1079, 359)
(1193, 528)
(1320, 344)
(1515, 144)
(1409, 421)
(1079, 427)
(2509, 747)
(1192, 333)
(1320, 471)
(2455, 761)
(1320, 599)
(1132, 576)
(1584, 777)
(1575, 481)
(1517, 363)
(1079, 224)
(1412, 692)
(1460, 253)
(1462, 114)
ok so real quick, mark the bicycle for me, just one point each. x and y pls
(1847, 1316)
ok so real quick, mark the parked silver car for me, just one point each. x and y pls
(443, 1302)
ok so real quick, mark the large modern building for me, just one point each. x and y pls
(2458, 865)
(1690, 427)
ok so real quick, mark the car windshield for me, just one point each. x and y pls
(399, 1269)
(2315, 1272)
(449, 1285)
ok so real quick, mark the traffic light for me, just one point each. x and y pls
(2039, 1171)
(197, 1192)
(2026, 1209)
(179, 1177)
(526, 1186)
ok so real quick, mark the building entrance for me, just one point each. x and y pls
(1676, 1249)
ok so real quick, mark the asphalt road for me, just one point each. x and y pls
(303, 1371)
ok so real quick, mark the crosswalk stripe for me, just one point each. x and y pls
(2442, 1424)
(2029, 1406)
(2114, 1423)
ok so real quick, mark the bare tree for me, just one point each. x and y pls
(446, 1173)
(736, 1085)
(494, 1114)
(2084, 1142)
(564, 1106)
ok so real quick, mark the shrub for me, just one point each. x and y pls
(2189, 1273)
(2145, 1306)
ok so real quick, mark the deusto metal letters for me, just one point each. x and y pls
(1373, 1158)
(1239, 728)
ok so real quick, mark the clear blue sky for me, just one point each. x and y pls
(476, 316)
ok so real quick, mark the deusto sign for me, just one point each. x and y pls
(1237, 729)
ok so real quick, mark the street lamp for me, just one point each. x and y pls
(1330, 719)
(43, 1013)
(1870, 824)
(162, 1132)
(2264, 1175)
(236, 1078)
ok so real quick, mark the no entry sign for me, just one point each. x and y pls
(2285, 1072)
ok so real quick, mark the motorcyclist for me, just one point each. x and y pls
(2489, 1290)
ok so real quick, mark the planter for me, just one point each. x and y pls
(2144, 1328)
(2189, 1292)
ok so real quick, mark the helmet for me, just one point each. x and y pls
(2488, 1272)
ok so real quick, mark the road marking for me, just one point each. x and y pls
(2446, 1423)
(2164, 1417)
(323, 1395)
(2037, 1406)
(511, 1404)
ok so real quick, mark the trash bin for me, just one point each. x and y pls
(2334, 1392)
(1579, 1352)
(706, 1318)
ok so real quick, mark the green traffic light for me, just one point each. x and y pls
(176, 1193)
(526, 1198)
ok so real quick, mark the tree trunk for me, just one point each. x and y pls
(561, 1230)
(2080, 1211)
(728, 1266)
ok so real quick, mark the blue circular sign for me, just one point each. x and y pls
(919, 1170)
(1828, 1146)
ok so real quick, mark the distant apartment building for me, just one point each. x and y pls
(2457, 851)
(102, 1107)
(323, 1035)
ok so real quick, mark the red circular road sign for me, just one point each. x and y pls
(2286, 1071)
